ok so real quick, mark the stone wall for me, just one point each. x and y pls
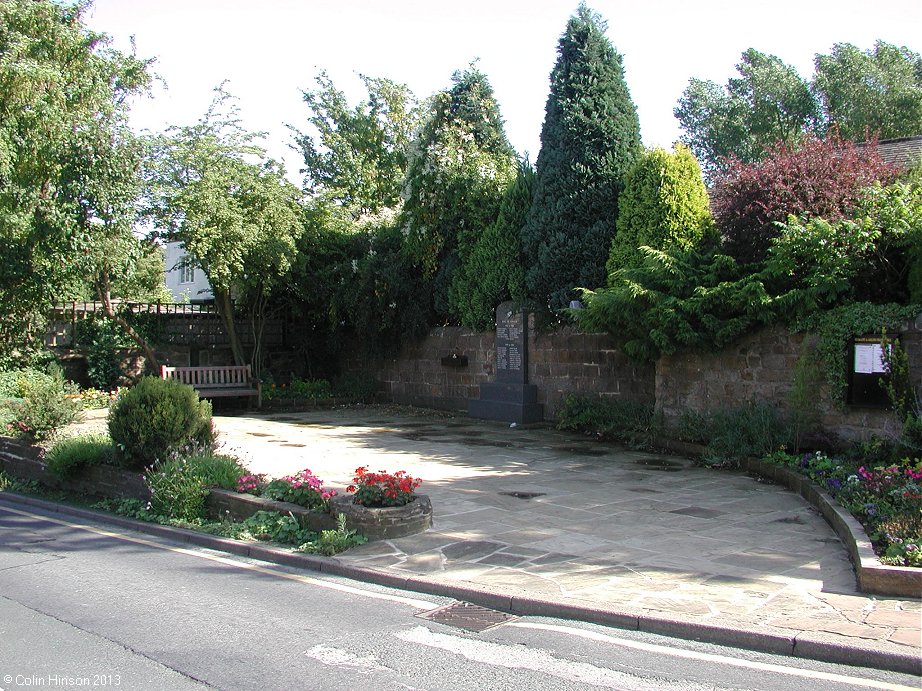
(24, 461)
(760, 368)
(447, 368)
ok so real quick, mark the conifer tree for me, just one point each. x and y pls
(590, 137)
(495, 270)
(459, 168)
(664, 204)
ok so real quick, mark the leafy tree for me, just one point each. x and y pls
(868, 259)
(458, 169)
(878, 91)
(357, 157)
(377, 292)
(495, 271)
(664, 204)
(857, 93)
(589, 138)
(211, 187)
(821, 178)
(67, 158)
(768, 103)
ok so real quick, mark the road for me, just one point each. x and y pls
(91, 606)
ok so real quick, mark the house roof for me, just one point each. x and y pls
(904, 151)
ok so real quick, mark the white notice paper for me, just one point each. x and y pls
(869, 358)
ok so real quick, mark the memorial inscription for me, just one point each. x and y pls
(510, 398)
(510, 344)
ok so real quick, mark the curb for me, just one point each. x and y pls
(795, 645)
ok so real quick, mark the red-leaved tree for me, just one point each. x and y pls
(820, 178)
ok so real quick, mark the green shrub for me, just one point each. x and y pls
(664, 204)
(331, 542)
(15, 383)
(157, 417)
(733, 434)
(357, 388)
(278, 527)
(299, 389)
(47, 404)
(628, 421)
(180, 484)
(70, 455)
(693, 427)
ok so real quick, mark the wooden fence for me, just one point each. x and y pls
(184, 324)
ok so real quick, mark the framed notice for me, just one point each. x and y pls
(866, 372)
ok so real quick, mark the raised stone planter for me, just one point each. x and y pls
(24, 461)
(384, 523)
(375, 524)
(223, 503)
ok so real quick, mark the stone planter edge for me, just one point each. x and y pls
(384, 523)
(873, 577)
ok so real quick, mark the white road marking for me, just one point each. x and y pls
(536, 660)
(337, 657)
(412, 602)
(712, 658)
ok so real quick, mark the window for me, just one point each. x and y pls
(186, 271)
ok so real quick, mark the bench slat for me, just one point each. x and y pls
(222, 380)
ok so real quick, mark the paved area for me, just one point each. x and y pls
(566, 518)
(536, 513)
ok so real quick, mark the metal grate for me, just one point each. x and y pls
(465, 615)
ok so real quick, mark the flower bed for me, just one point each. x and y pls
(383, 505)
(886, 500)
(873, 577)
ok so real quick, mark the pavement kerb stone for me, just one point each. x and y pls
(812, 648)
(731, 637)
(801, 645)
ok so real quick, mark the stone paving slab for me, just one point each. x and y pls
(612, 528)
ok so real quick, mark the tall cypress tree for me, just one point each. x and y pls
(459, 168)
(589, 139)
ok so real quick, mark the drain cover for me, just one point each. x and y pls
(465, 615)
(660, 464)
(523, 495)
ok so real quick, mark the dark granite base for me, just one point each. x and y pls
(507, 403)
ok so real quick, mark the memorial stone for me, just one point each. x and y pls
(510, 398)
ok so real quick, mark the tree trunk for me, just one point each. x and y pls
(258, 328)
(102, 287)
(225, 307)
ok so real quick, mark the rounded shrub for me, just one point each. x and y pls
(157, 417)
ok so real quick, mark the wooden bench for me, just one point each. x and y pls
(214, 382)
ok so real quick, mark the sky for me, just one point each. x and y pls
(269, 51)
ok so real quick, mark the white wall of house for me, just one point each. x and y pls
(186, 282)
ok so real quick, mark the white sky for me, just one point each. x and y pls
(270, 50)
